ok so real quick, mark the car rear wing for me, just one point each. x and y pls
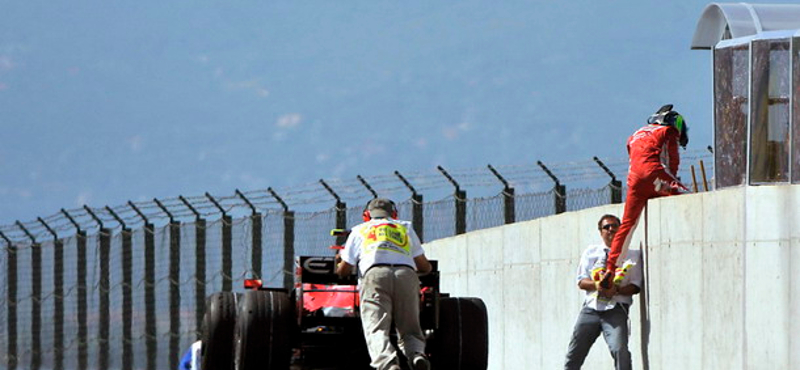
(322, 270)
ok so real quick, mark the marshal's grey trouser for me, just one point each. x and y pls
(613, 324)
(391, 292)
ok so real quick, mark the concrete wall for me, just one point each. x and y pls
(720, 289)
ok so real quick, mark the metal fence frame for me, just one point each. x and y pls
(138, 274)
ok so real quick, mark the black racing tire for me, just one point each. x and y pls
(263, 331)
(462, 340)
(219, 322)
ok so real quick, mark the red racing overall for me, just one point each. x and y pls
(653, 152)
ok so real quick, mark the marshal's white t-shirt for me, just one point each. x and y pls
(382, 241)
(590, 257)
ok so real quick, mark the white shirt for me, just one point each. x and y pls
(382, 241)
(590, 257)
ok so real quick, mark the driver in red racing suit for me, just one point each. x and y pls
(653, 152)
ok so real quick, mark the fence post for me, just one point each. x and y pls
(80, 241)
(417, 217)
(615, 185)
(341, 213)
(127, 300)
(703, 172)
(104, 315)
(199, 266)
(366, 185)
(559, 191)
(508, 197)
(288, 242)
(36, 299)
(461, 203)
(227, 247)
(151, 340)
(255, 222)
(11, 302)
(58, 297)
(174, 287)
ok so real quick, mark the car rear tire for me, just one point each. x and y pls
(264, 331)
(219, 322)
(462, 340)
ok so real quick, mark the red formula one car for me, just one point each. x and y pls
(317, 325)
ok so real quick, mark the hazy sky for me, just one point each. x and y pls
(102, 102)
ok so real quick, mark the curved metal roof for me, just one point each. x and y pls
(722, 21)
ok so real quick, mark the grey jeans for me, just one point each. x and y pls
(613, 324)
(391, 294)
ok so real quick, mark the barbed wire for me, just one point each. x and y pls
(133, 214)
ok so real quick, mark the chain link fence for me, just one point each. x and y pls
(125, 287)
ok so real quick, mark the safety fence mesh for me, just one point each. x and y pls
(125, 287)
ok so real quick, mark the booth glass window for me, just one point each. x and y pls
(731, 73)
(796, 110)
(769, 135)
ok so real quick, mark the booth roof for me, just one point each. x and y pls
(721, 21)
